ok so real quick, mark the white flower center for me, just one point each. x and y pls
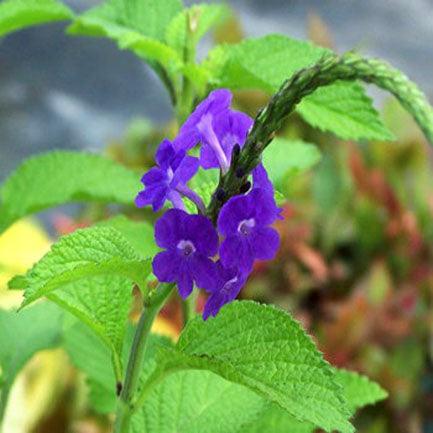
(186, 247)
(245, 226)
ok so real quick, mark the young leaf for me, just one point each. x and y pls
(359, 390)
(83, 254)
(197, 402)
(138, 25)
(263, 348)
(203, 17)
(285, 158)
(265, 63)
(19, 14)
(61, 177)
(21, 336)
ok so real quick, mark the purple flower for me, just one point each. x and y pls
(167, 180)
(244, 221)
(217, 127)
(189, 241)
(229, 283)
(229, 129)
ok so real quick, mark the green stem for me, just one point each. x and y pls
(331, 68)
(125, 405)
(189, 306)
(4, 395)
(185, 100)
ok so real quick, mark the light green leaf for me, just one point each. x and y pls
(19, 14)
(139, 234)
(285, 158)
(359, 390)
(138, 25)
(202, 18)
(276, 420)
(197, 402)
(103, 303)
(56, 178)
(21, 336)
(263, 348)
(82, 254)
(265, 63)
(93, 358)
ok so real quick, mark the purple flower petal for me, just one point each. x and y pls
(204, 272)
(185, 283)
(231, 282)
(201, 232)
(154, 196)
(265, 208)
(167, 266)
(164, 154)
(264, 242)
(235, 251)
(236, 209)
(186, 170)
(169, 228)
(154, 176)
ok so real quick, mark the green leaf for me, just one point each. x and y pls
(197, 402)
(56, 178)
(103, 303)
(83, 254)
(139, 234)
(276, 420)
(21, 336)
(138, 25)
(263, 348)
(265, 63)
(89, 355)
(203, 17)
(359, 390)
(285, 158)
(345, 110)
(19, 14)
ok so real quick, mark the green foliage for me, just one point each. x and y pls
(19, 14)
(286, 158)
(61, 177)
(93, 358)
(21, 336)
(197, 402)
(359, 390)
(276, 420)
(138, 234)
(138, 25)
(200, 19)
(265, 63)
(84, 253)
(263, 348)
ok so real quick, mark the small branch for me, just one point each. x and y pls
(136, 357)
(331, 68)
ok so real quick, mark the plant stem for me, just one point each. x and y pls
(331, 68)
(125, 406)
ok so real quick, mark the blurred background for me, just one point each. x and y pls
(356, 263)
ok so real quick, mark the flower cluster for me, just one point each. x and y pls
(191, 244)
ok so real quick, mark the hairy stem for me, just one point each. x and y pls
(330, 68)
(125, 405)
